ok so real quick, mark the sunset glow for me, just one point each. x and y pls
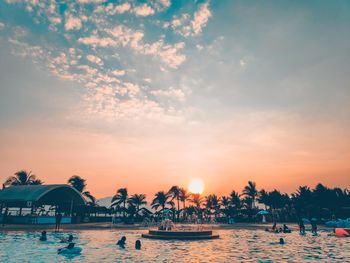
(196, 186)
(146, 94)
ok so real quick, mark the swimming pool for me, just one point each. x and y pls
(233, 246)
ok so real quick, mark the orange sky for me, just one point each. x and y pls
(279, 154)
(226, 91)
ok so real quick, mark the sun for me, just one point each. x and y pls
(196, 186)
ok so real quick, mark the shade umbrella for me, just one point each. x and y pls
(263, 213)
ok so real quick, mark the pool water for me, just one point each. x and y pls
(233, 246)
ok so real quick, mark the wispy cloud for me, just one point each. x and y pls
(72, 23)
(187, 26)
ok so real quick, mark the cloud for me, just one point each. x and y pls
(201, 18)
(90, 1)
(167, 53)
(143, 10)
(170, 93)
(186, 27)
(97, 41)
(94, 59)
(72, 23)
(120, 9)
(118, 72)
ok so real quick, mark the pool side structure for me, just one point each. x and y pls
(180, 235)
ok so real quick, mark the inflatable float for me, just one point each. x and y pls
(342, 232)
(67, 251)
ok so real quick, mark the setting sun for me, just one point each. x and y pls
(196, 186)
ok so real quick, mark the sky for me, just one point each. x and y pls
(150, 94)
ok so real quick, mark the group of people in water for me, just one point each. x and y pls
(71, 245)
(122, 242)
(285, 228)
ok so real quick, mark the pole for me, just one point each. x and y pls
(71, 208)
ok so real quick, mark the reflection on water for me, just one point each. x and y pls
(233, 246)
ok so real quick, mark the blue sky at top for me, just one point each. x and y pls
(260, 71)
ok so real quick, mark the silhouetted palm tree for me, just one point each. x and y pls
(197, 200)
(225, 205)
(174, 193)
(235, 200)
(137, 200)
(212, 204)
(92, 199)
(119, 198)
(161, 199)
(251, 192)
(302, 200)
(184, 196)
(22, 178)
(80, 184)
(263, 198)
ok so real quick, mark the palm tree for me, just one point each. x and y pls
(197, 200)
(160, 200)
(235, 200)
(137, 200)
(121, 197)
(263, 198)
(92, 199)
(78, 183)
(184, 196)
(174, 193)
(22, 178)
(302, 200)
(251, 192)
(212, 204)
(226, 205)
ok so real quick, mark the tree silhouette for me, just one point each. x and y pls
(174, 193)
(22, 178)
(121, 197)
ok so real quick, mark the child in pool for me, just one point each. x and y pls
(121, 242)
(43, 236)
(138, 244)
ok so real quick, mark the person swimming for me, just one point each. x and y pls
(138, 244)
(274, 226)
(286, 229)
(67, 240)
(70, 245)
(70, 249)
(43, 236)
(121, 242)
(281, 241)
(314, 227)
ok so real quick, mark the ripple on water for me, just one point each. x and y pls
(233, 246)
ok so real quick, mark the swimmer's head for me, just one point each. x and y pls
(138, 244)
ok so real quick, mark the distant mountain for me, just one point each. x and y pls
(106, 201)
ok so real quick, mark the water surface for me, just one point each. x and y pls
(233, 246)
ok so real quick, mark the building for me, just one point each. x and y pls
(38, 204)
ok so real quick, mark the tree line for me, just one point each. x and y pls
(321, 202)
